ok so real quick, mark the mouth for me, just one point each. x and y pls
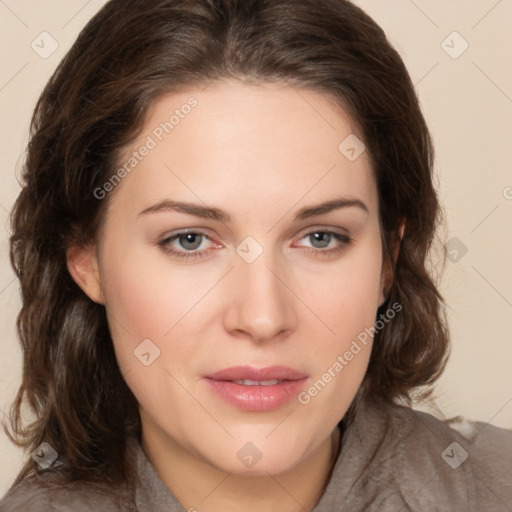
(256, 389)
(249, 382)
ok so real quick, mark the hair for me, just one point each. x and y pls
(130, 54)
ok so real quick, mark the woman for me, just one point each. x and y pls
(221, 241)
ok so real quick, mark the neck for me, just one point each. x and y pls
(199, 486)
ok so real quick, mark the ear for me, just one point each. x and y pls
(386, 276)
(83, 266)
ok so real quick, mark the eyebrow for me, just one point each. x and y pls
(208, 212)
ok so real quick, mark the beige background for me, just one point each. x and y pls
(468, 104)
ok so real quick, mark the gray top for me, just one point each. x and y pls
(392, 458)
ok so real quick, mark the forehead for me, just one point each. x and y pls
(246, 145)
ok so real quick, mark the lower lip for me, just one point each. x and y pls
(256, 398)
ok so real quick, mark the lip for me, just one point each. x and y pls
(252, 373)
(256, 398)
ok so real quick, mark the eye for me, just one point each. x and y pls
(326, 242)
(185, 244)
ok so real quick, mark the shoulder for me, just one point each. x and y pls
(467, 462)
(42, 493)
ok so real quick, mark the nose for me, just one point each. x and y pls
(262, 305)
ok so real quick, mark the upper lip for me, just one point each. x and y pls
(258, 374)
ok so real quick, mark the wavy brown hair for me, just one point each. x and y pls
(126, 57)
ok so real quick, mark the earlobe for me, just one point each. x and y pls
(82, 263)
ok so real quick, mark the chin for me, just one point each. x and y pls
(258, 457)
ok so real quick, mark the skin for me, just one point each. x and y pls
(260, 153)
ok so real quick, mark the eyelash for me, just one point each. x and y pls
(343, 241)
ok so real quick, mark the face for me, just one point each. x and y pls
(235, 314)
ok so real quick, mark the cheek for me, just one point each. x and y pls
(156, 313)
(152, 333)
(144, 292)
(346, 302)
(137, 309)
(346, 296)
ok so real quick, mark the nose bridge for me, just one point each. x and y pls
(264, 306)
